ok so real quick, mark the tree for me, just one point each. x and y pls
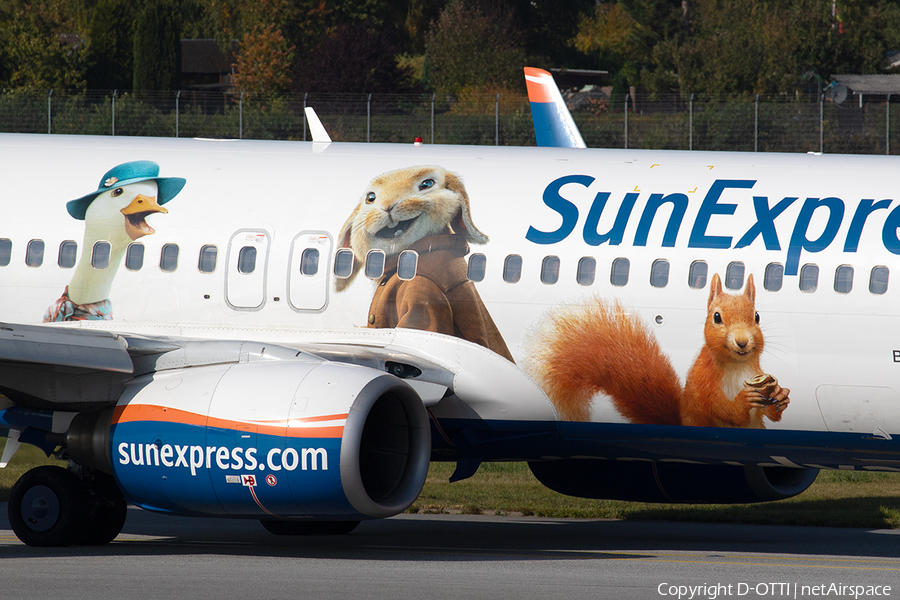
(737, 47)
(623, 36)
(264, 62)
(157, 47)
(111, 50)
(468, 47)
(353, 58)
(42, 44)
(548, 27)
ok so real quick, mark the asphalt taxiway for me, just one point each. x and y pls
(457, 556)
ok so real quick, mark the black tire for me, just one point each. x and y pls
(309, 527)
(107, 510)
(48, 506)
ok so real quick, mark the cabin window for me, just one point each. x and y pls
(878, 280)
(809, 278)
(477, 267)
(309, 262)
(659, 273)
(34, 253)
(209, 255)
(406, 265)
(512, 268)
(587, 271)
(774, 277)
(697, 274)
(843, 279)
(100, 255)
(343, 263)
(375, 264)
(5, 252)
(618, 275)
(134, 257)
(67, 251)
(168, 258)
(734, 275)
(246, 262)
(550, 270)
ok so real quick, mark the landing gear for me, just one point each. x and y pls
(47, 507)
(51, 506)
(309, 527)
(107, 510)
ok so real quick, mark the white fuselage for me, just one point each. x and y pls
(838, 351)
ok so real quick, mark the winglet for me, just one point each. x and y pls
(553, 123)
(315, 126)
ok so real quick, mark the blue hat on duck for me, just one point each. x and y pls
(126, 174)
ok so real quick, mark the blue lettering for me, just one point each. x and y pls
(889, 233)
(679, 207)
(567, 210)
(710, 207)
(614, 236)
(765, 223)
(799, 241)
(865, 208)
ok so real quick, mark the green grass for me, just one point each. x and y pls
(836, 499)
(27, 457)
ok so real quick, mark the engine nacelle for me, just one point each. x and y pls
(640, 481)
(267, 440)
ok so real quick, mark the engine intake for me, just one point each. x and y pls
(386, 448)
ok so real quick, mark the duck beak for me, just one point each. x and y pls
(135, 213)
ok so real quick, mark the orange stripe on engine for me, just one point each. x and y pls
(148, 412)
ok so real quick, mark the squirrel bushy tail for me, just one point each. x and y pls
(596, 346)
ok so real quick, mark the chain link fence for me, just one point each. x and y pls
(765, 124)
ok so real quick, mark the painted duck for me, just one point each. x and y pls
(116, 213)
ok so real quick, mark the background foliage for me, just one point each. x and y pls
(731, 47)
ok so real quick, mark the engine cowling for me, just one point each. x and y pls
(640, 481)
(279, 439)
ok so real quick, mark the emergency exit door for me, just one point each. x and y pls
(245, 277)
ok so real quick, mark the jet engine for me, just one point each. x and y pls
(267, 439)
(305, 445)
(640, 481)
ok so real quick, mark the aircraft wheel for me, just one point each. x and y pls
(107, 510)
(47, 507)
(309, 527)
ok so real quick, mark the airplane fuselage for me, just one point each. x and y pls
(256, 248)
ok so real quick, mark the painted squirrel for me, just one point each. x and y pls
(584, 349)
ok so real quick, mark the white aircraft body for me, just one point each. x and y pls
(292, 331)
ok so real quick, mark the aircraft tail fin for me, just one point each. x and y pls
(553, 123)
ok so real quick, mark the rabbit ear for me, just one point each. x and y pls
(462, 223)
(347, 229)
(341, 284)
